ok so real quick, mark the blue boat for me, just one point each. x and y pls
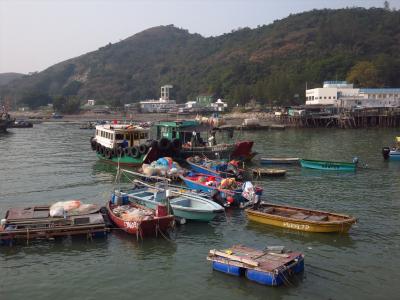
(392, 153)
(225, 191)
(329, 165)
(273, 266)
(219, 168)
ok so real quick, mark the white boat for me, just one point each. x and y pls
(394, 152)
(186, 205)
(279, 160)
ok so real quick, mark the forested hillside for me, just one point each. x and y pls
(271, 63)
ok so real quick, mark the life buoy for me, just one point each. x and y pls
(103, 150)
(134, 152)
(176, 144)
(152, 144)
(93, 143)
(143, 149)
(164, 144)
(126, 151)
(98, 148)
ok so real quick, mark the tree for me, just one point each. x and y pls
(364, 74)
(66, 105)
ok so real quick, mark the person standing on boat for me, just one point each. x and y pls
(124, 144)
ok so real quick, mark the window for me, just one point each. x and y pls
(334, 97)
(119, 136)
(325, 97)
(135, 135)
(143, 135)
(329, 97)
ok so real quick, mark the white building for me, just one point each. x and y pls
(91, 102)
(219, 105)
(343, 94)
(164, 104)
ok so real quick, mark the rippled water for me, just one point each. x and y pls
(53, 161)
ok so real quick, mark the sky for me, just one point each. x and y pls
(35, 34)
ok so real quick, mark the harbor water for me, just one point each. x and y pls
(53, 162)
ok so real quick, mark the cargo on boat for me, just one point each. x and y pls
(272, 266)
(301, 219)
(215, 167)
(48, 222)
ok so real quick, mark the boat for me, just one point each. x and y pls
(279, 160)
(5, 120)
(21, 124)
(137, 219)
(184, 138)
(45, 222)
(272, 266)
(300, 219)
(123, 144)
(392, 153)
(220, 168)
(223, 190)
(260, 172)
(185, 205)
(88, 125)
(329, 165)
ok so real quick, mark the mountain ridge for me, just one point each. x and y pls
(270, 63)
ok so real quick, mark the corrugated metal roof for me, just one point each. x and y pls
(380, 90)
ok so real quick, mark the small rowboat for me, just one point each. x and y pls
(146, 222)
(272, 267)
(279, 160)
(328, 165)
(392, 153)
(189, 206)
(300, 219)
(259, 172)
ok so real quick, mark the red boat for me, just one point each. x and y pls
(140, 220)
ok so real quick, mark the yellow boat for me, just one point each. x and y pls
(300, 218)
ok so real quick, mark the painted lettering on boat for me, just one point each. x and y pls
(296, 226)
(131, 225)
(329, 166)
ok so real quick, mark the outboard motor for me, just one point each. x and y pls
(355, 160)
(385, 152)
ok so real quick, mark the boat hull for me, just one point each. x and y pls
(394, 155)
(279, 161)
(123, 161)
(328, 165)
(142, 228)
(301, 225)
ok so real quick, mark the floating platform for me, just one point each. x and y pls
(252, 127)
(32, 223)
(274, 266)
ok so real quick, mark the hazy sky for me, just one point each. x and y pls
(35, 34)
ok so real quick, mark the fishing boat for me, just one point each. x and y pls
(329, 165)
(300, 218)
(5, 120)
(185, 138)
(123, 144)
(45, 222)
(260, 172)
(272, 266)
(187, 205)
(392, 153)
(220, 168)
(279, 160)
(137, 219)
(21, 124)
(223, 189)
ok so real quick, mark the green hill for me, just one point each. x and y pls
(6, 78)
(271, 63)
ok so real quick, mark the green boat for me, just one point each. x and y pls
(123, 144)
(329, 165)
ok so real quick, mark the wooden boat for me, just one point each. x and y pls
(300, 218)
(260, 172)
(137, 219)
(328, 165)
(35, 222)
(219, 168)
(189, 206)
(273, 266)
(279, 160)
(392, 153)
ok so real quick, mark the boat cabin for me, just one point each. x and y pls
(114, 135)
(189, 132)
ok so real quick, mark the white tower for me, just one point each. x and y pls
(165, 92)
